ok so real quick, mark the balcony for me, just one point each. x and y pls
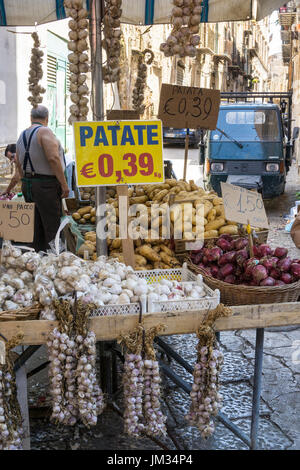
(253, 49)
(287, 18)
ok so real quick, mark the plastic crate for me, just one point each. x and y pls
(146, 305)
(210, 301)
(125, 309)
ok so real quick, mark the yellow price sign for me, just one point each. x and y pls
(118, 152)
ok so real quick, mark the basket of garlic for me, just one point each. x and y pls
(111, 287)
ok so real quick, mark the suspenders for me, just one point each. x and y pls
(27, 147)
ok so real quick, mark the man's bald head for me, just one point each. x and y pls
(40, 114)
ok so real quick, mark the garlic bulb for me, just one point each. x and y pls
(141, 80)
(35, 72)
(72, 372)
(111, 42)
(206, 400)
(141, 381)
(186, 18)
(11, 431)
(78, 58)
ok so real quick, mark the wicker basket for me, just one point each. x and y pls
(247, 295)
(23, 313)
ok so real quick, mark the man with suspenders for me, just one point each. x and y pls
(40, 162)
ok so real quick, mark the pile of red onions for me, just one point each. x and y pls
(229, 261)
(7, 196)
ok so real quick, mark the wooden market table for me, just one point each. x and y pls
(108, 328)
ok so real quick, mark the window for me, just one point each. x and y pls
(248, 125)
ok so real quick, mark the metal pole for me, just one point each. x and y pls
(259, 348)
(97, 102)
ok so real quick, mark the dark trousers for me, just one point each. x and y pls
(46, 194)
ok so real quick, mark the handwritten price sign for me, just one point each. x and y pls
(189, 107)
(122, 152)
(241, 206)
(17, 221)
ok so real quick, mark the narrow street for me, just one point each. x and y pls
(280, 404)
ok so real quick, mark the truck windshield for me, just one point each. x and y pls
(247, 125)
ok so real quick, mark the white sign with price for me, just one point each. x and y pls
(17, 221)
(243, 206)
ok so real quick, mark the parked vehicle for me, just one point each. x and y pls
(172, 135)
(252, 145)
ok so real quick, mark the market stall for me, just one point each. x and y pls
(158, 297)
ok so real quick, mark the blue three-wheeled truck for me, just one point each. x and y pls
(252, 144)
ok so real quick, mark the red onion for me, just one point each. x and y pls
(226, 236)
(278, 282)
(275, 273)
(197, 259)
(287, 278)
(231, 279)
(241, 243)
(226, 270)
(205, 260)
(295, 270)
(269, 262)
(224, 244)
(228, 257)
(214, 254)
(241, 256)
(259, 273)
(215, 270)
(269, 281)
(280, 252)
(284, 264)
(265, 250)
(248, 267)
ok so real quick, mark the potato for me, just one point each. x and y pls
(93, 212)
(116, 243)
(82, 221)
(211, 215)
(215, 224)
(84, 210)
(158, 197)
(138, 200)
(76, 216)
(148, 253)
(166, 250)
(217, 201)
(140, 260)
(87, 216)
(93, 220)
(91, 236)
(220, 211)
(86, 247)
(139, 191)
(230, 229)
(211, 234)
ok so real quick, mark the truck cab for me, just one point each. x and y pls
(249, 148)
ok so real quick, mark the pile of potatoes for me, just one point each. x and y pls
(176, 192)
(152, 254)
(87, 194)
(85, 215)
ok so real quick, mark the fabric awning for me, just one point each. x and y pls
(29, 12)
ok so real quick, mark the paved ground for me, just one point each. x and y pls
(280, 404)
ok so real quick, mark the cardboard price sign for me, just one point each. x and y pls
(189, 107)
(242, 205)
(17, 221)
(118, 152)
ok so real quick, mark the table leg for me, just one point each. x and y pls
(259, 349)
